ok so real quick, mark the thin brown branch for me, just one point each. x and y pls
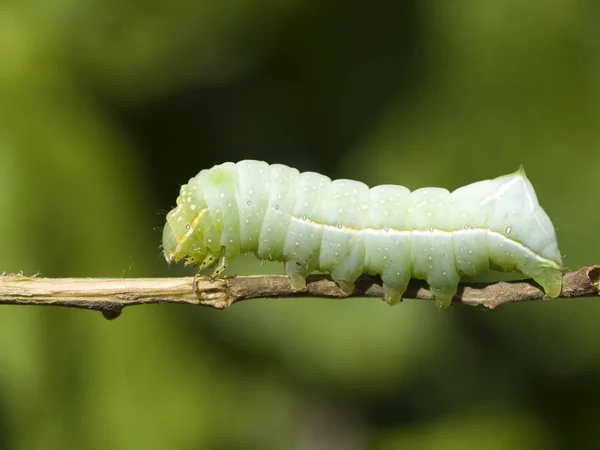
(111, 295)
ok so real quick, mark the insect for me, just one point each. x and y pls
(345, 228)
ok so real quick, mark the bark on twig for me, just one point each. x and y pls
(111, 295)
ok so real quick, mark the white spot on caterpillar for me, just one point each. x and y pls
(222, 195)
(248, 203)
(508, 229)
(188, 227)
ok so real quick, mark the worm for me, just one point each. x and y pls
(344, 228)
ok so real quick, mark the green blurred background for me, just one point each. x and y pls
(106, 108)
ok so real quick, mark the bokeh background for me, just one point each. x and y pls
(106, 108)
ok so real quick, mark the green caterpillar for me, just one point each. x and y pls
(343, 228)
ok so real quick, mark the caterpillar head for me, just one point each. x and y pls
(183, 236)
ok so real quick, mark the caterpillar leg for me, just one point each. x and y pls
(442, 301)
(221, 266)
(395, 277)
(391, 295)
(347, 287)
(208, 261)
(548, 277)
(443, 283)
(443, 294)
(346, 271)
(297, 273)
(344, 280)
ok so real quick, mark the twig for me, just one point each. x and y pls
(111, 295)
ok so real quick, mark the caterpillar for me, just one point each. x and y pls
(344, 228)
